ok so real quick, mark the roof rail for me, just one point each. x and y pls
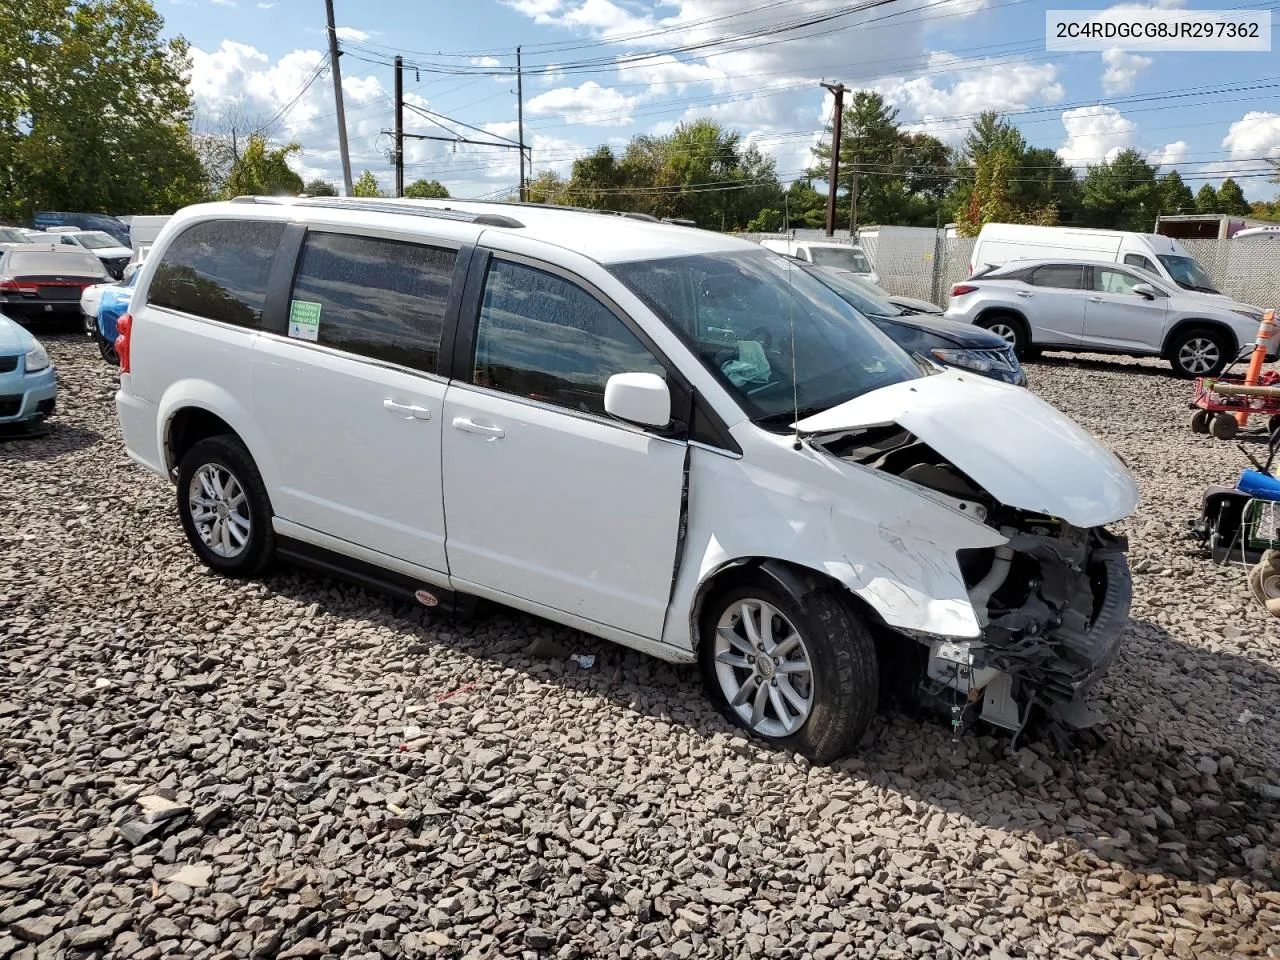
(376, 205)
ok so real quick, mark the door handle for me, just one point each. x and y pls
(484, 430)
(1024, 294)
(1095, 299)
(407, 410)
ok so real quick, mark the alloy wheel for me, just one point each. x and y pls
(219, 510)
(764, 668)
(1005, 333)
(1198, 355)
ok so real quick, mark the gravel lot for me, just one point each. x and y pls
(328, 772)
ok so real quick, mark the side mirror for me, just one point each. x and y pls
(1145, 290)
(641, 398)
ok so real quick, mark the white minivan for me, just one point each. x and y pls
(1002, 243)
(825, 253)
(669, 438)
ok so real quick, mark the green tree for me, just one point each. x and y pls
(94, 110)
(547, 187)
(1038, 184)
(767, 220)
(426, 190)
(1122, 194)
(1207, 199)
(990, 200)
(1175, 196)
(804, 206)
(319, 187)
(1231, 199)
(367, 186)
(262, 172)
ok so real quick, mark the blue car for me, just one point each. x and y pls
(113, 304)
(28, 382)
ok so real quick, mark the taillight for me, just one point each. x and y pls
(960, 289)
(14, 286)
(123, 328)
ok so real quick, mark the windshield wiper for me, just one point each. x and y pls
(788, 417)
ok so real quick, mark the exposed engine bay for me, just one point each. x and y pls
(1051, 602)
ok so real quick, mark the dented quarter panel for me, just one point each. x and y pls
(1023, 451)
(890, 542)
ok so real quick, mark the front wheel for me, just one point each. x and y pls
(802, 677)
(1011, 330)
(1199, 353)
(224, 507)
(106, 349)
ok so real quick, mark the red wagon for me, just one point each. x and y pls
(1217, 409)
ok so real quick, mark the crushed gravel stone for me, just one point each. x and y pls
(297, 768)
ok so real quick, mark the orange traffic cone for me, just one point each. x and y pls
(1266, 330)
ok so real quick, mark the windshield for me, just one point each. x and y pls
(1188, 274)
(9, 235)
(851, 290)
(738, 311)
(848, 258)
(97, 240)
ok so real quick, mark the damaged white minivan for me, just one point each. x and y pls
(665, 437)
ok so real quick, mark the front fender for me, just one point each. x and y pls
(890, 543)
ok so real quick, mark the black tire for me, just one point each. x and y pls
(1200, 421)
(227, 454)
(1224, 426)
(844, 677)
(1273, 424)
(106, 349)
(1200, 352)
(1012, 329)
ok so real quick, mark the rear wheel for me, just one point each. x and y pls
(224, 507)
(1010, 329)
(1199, 352)
(1200, 421)
(106, 349)
(802, 677)
(1224, 426)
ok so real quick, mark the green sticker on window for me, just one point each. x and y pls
(304, 320)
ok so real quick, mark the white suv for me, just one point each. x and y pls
(594, 420)
(1105, 308)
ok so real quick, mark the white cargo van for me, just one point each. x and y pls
(825, 253)
(1000, 243)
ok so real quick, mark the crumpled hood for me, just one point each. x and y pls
(1024, 452)
(14, 339)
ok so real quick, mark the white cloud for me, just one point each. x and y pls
(486, 62)
(982, 86)
(351, 33)
(1122, 70)
(588, 103)
(1170, 155)
(539, 10)
(223, 3)
(1257, 134)
(1095, 134)
(265, 6)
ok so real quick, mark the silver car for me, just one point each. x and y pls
(1104, 308)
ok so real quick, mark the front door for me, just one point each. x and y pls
(349, 399)
(1117, 318)
(547, 499)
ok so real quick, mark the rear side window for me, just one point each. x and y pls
(1065, 276)
(542, 337)
(218, 270)
(383, 299)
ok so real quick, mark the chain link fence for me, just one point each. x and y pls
(924, 263)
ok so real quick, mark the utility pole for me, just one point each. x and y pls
(337, 96)
(399, 157)
(838, 90)
(520, 121)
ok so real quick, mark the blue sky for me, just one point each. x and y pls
(938, 61)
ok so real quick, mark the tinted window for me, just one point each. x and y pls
(383, 299)
(1114, 281)
(1064, 275)
(218, 269)
(545, 338)
(71, 263)
(1138, 260)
